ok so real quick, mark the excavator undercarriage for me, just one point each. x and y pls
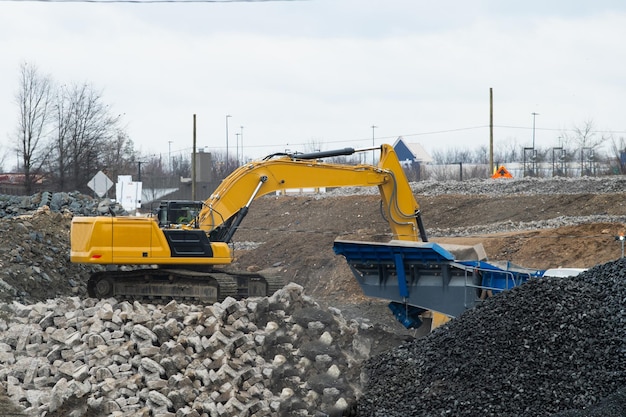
(185, 285)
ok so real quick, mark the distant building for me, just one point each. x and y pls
(13, 184)
(410, 153)
(412, 156)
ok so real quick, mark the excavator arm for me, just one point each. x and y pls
(224, 210)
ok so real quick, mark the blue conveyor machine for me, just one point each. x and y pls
(425, 276)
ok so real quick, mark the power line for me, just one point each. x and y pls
(548, 129)
(435, 132)
(146, 1)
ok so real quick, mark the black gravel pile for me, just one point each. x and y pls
(553, 345)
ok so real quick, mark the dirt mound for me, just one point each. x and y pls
(34, 255)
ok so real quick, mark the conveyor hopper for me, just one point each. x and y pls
(447, 279)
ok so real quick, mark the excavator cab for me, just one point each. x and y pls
(177, 212)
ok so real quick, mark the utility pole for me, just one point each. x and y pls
(193, 162)
(491, 131)
(227, 116)
(534, 114)
(237, 135)
(169, 155)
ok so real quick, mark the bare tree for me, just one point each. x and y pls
(618, 155)
(84, 127)
(481, 155)
(582, 144)
(33, 99)
(507, 151)
(181, 166)
(59, 146)
(584, 136)
(119, 156)
(452, 156)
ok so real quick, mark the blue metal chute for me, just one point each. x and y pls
(420, 274)
(407, 315)
(428, 276)
(375, 251)
(501, 275)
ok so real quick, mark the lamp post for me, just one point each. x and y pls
(169, 155)
(534, 115)
(227, 116)
(373, 152)
(237, 134)
(242, 155)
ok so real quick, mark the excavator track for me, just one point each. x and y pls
(264, 283)
(180, 284)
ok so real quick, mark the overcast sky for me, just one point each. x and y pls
(320, 73)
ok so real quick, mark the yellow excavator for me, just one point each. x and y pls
(177, 260)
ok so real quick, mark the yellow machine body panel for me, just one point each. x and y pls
(132, 241)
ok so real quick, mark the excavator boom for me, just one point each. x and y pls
(307, 171)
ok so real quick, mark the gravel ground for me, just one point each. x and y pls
(510, 226)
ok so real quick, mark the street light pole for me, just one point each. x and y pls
(227, 116)
(373, 152)
(237, 135)
(243, 158)
(534, 114)
(169, 156)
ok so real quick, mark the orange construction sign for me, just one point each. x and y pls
(502, 172)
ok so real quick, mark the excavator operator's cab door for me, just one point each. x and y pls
(177, 212)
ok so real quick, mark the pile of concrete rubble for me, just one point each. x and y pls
(74, 202)
(278, 355)
(551, 345)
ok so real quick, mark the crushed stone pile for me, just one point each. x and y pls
(74, 202)
(524, 185)
(553, 345)
(498, 187)
(508, 226)
(278, 355)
